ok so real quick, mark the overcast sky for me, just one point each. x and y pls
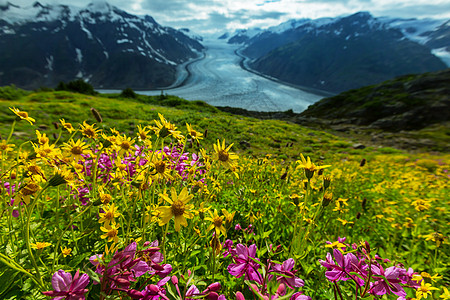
(218, 16)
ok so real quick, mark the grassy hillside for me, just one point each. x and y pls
(70, 206)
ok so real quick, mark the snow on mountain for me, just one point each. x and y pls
(64, 41)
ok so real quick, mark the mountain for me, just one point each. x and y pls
(408, 102)
(42, 45)
(337, 54)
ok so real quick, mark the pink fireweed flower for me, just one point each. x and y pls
(68, 288)
(387, 282)
(287, 276)
(244, 265)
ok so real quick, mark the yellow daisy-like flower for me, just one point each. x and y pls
(179, 209)
(89, 130)
(109, 214)
(67, 126)
(46, 151)
(104, 197)
(164, 128)
(42, 138)
(143, 133)
(5, 147)
(161, 170)
(223, 156)
(228, 216)
(23, 115)
(40, 245)
(76, 149)
(309, 167)
(123, 144)
(30, 189)
(195, 135)
(110, 232)
(217, 223)
(424, 290)
(446, 294)
(66, 251)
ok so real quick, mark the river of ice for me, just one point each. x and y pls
(219, 80)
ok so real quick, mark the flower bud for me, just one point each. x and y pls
(326, 182)
(239, 296)
(96, 114)
(56, 180)
(362, 163)
(214, 287)
(281, 290)
(174, 280)
(327, 199)
(135, 294)
(212, 296)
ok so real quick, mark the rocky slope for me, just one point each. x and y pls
(44, 44)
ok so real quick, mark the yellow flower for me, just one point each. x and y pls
(42, 138)
(309, 167)
(165, 128)
(46, 151)
(344, 222)
(228, 216)
(223, 156)
(179, 208)
(89, 130)
(5, 147)
(195, 135)
(142, 133)
(161, 171)
(110, 232)
(40, 245)
(67, 126)
(66, 251)
(424, 290)
(446, 294)
(335, 244)
(217, 223)
(30, 189)
(436, 237)
(123, 144)
(22, 115)
(104, 197)
(76, 149)
(109, 214)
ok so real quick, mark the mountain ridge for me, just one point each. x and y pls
(106, 46)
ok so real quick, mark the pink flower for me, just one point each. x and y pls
(68, 288)
(244, 265)
(287, 276)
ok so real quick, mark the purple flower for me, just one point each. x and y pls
(244, 264)
(300, 296)
(388, 282)
(287, 276)
(68, 288)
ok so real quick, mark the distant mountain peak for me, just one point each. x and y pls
(100, 6)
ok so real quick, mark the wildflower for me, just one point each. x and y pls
(66, 287)
(42, 138)
(197, 136)
(40, 245)
(104, 197)
(96, 115)
(446, 294)
(110, 232)
(30, 189)
(46, 151)
(142, 133)
(67, 126)
(165, 128)
(287, 276)
(244, 265)
(424, 290)
(66, 251)
(436, 237)
(217, 223)
(109, 214)
(5, 147)
(161, 169)
(123, 144)
(386, 281)
(344, 222)
(222, 154)
(23, 115)
(89, 130)
(179, 208)
(308, 166)
(228, 216)
(76, 149)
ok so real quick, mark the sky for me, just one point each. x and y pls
(218, 16)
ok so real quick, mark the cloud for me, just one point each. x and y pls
(217, 16)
